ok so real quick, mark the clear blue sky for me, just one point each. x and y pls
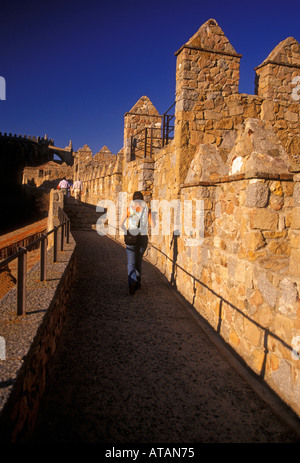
(73, 69)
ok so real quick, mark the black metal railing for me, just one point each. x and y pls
(21, 255)
(144, 142)
(167, 128)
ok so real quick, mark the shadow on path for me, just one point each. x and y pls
(139, 369)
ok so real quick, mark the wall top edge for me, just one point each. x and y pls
(277, 63)
(236, 55)
(236, 177)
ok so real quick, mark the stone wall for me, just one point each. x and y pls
(47, 175)
(239, 155)
(31, 342)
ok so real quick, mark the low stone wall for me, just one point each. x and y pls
(30, 342)
(243, 277)
(22, 237)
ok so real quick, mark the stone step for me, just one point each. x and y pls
(82, 217)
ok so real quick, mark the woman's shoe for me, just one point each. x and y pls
(132, 285)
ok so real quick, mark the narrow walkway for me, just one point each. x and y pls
(140, 369)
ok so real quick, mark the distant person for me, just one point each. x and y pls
(78, 188)
(64, 186)
(136, 238)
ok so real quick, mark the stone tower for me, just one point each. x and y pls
(207, 71)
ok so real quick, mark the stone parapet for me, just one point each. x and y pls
(238, 154)
(30, 343)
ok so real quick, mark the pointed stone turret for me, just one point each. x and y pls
(206, 63)
(207, 71)
(143, 114)
(275, 75)
(144, 106)
(285, 53)
(103, 154)
(210, 37)
(84, 149)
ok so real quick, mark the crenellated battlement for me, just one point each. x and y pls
(30, 138)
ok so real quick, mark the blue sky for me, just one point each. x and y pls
(73, 69)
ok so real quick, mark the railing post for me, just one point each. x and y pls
(68, 231)
(43, 260)
(131, 148)
(21, 282)
(55, 245)
(145, 151)
(168, 128)
(151, 141)
(163, 130)
(62, 236)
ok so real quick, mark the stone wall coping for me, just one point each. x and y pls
(295, 168)
(18, 235)
(217, 52)
(129, 113)
(24, 334)
(236, 177)
(277, 63)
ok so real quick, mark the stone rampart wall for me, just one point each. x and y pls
(30, 340)
(241, 278)
(239, 155)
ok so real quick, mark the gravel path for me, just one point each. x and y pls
(140, 369)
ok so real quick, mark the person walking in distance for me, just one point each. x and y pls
(78, 188)
(64, 186)
(136, 238)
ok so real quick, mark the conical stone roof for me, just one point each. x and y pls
(286, 53)
(144, 106)
(210, 37)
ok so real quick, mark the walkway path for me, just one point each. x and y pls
(140, 369)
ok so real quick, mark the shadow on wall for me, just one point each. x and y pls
(266, 332)
(19, 208)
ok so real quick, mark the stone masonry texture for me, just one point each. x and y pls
(147, 371)
(239, 155)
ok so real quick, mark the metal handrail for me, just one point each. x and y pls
(146, 141)
(166, 127)
(21, 255)
(147, 134)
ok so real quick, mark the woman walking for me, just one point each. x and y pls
(136, 238)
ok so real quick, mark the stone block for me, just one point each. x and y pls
(212, 115)
(291, 117)
(276, 188)
(288, 298)
(254, 240)
(234, 339)
(256, 299)
(296, 218)
(252, 332)
(257, 195)
(258, 360)
(282, 378)
(294, 266)
(265, 316)
(295, 239)
(267, 110)
(296, 195)
(267, 289)
(263, 219)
